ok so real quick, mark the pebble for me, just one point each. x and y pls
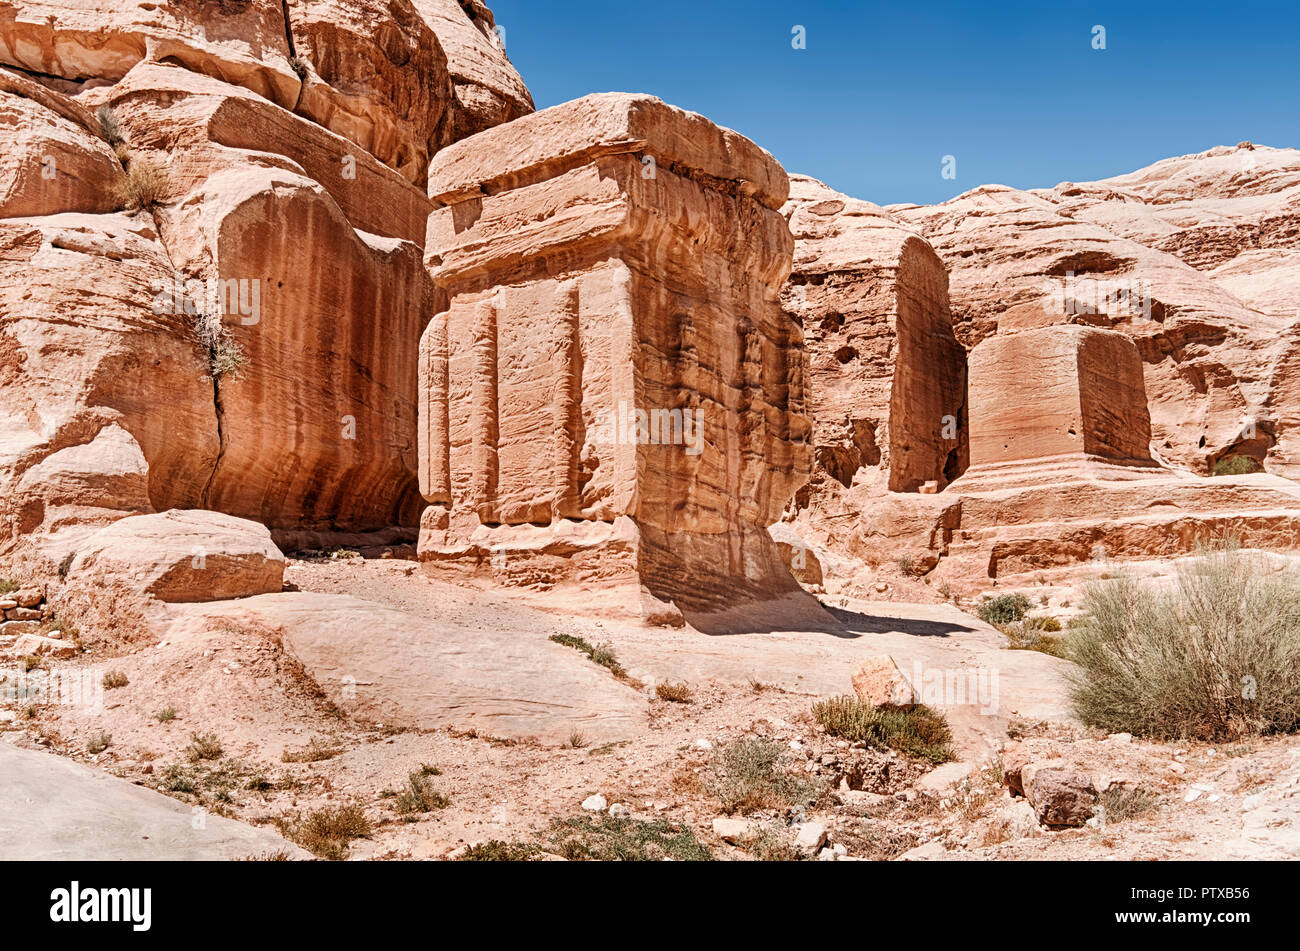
(596, 803)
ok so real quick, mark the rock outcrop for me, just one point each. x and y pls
(241, 335)
(1194, 257)
(1127, 340)
(613, 391)
(887, 377)
(181, 557)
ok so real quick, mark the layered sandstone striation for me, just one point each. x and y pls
(244, 340)
(613, 393)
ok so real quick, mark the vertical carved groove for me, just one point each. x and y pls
(485, 419)
(435, 455)
(567, 404)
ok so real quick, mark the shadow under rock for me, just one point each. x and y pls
(802, 613)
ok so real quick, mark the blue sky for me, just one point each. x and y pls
(883, 91)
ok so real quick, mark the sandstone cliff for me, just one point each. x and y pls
(211, 224)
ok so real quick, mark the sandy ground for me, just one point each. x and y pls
(1232, 801)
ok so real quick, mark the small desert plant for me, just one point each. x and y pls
(259, 783)
(8, 586)
(602, 654)
(577, 739)
(177, 778)
(1119, 803)
(674, 693)
(225, 356)
(326, 832)
(109, 127)
(1236, 465)
(98, 742)
(143, 184)
(495, 850)
(1028, 635)
(769, 846)
(314, 752)
(165, 715)
(905, 566)
(114, 679)
(917, 731)
(1003, 609)
(299, 66)
(1216, 656)
(748, 775)
(203, 746)
(31, 662)
(419, 796)
(612, 839)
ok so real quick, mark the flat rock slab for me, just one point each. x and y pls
(937, 647)
(53, 809)
(383, 665)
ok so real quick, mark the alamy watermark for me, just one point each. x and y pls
(631, 426)
(218, 297)
(1073, 295)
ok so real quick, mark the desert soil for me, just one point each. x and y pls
(1237, 800)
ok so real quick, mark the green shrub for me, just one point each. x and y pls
(748, 775)
(326, 832)
(203, 747)
(497, 851)
(1004, 609)
(602, 654)
(1214, 657)
(419, 796)
(98, 742)
(917, 731)
(1236, 465)
(8, 586)
(609, 839)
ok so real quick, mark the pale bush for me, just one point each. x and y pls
(1216, 655)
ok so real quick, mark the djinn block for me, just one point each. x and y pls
(611, 395)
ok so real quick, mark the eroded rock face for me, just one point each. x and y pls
(488, 90)
(1193, 257)
(299, 198)
(887, 377)
(615, 375)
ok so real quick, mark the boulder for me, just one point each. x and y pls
(735, 831)
(810, 837)
(29, 644)
(878, 681)
(1061, 798)
(181, 556)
